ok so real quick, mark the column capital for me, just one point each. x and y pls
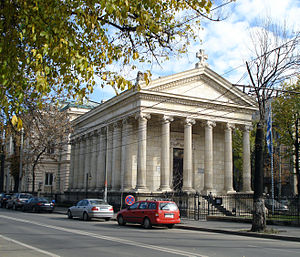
(189, 121)
(167, 119)
(209, 123)
(247, 128)
(117, 124)
(142, 116)
(102, 130)
(229, 126)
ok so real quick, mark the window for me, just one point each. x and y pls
(134, 206)
(168, 206)
(152, 206)
(143, 205)
(49, 179)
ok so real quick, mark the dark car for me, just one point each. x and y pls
(17, 200)
(278, 207)
(150, 212)
(3, 199)
(38, 204)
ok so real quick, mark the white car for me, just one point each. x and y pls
(91, 208)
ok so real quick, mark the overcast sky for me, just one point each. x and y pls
(227, 42)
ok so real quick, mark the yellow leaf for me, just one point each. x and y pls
(14, 120)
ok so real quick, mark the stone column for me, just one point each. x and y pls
(109, 140)
(116, 157)
(93, 154)
(188, 156)
(165, 154)
(82, 163)
(208, 158)
(142, 151)
(127, 154)
(246, 161)
(87, 166)
(72, 165)
(228, 165)
(101, 158)
(76, 164)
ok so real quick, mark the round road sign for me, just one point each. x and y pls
(129, 200)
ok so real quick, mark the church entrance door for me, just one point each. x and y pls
(177, 169)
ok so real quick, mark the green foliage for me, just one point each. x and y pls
(59, 48)
(286, 110)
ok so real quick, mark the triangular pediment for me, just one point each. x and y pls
(202, 83)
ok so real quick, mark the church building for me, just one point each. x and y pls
(172, 135)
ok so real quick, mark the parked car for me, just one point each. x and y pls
(91, 208)
(3, 199)
(17, 200)
(278, 207)
(150, 212)
(38, 204)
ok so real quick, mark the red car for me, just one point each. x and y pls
(150, 212)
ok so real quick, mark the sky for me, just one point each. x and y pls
(227, 42)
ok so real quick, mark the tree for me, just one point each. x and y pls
(286, 109)
(60, 48)
(46, 133)
(276, 60)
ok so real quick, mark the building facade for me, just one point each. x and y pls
(174, 134)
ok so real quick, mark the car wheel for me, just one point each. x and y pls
(107, 219)
(147, 223)
(34, 209)
(170, 225)
(23, 209)
(86, 217)
(121, 221)
(70, 216)
(14, 207)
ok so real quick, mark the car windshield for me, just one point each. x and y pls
(25, 196)
(41, 199)
(168, 206)
(96, 202)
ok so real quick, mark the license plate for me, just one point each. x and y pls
(169, 215)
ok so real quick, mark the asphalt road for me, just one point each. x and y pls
(31, 234)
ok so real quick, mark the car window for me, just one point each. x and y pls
(79, 203)
(25, 196)
(168, 206)
(143, 205)
(134, 206)
(152, 206)
(96, 202)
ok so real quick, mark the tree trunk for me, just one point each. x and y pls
(259, 213)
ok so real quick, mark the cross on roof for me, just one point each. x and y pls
(202, 58)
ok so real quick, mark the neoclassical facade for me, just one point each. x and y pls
(172, 134)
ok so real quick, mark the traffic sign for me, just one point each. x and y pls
(129, 200)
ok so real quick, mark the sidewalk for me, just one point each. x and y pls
(287, 233)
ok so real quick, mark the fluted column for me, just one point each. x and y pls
(87, 166)
(127, 132)
(82, 163)
(116, 157)
(246, 161)
(72, 165)
(142, 151)
(188, 156)
(109, 140)
(165, 154)
(76, 164)
(101, 158)
(208, 158)
(228, 165)
(93, 154)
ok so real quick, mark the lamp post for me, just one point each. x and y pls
(21, 161)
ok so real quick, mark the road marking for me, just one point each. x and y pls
(29, 246)
(108, 238)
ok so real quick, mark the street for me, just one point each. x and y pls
(41, 234)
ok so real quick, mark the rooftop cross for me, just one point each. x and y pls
(202, 58)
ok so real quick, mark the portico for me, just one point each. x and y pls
(129, 141)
